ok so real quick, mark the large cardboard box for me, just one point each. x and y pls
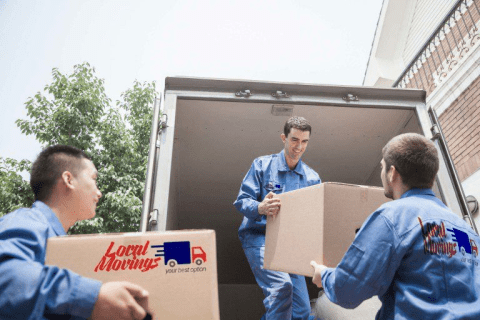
(178, 268)
(317, 223)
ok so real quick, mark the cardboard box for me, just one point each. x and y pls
(317, 223)
(178, 268)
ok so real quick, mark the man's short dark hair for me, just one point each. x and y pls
(49, 166)
(414, 157)
(299, 123)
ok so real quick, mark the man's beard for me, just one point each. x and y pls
(388, 192)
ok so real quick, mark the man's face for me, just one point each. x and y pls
(86, 191)
(388, 190)
(296, 143)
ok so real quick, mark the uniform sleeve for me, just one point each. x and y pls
(31, 290)
(250, 192)
(368, 267)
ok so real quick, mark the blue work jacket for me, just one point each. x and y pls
(418, 257)
(267, 173)
(28, 288)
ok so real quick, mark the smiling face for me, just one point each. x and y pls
(295, 144)
(86, 193)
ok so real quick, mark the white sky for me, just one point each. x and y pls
(314, 41)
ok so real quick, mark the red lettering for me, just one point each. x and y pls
(137, 251)
(443, 234)
(109, 261)
(121, 251)
(148, 263)
(124, 264)
(117, 264)
(138, 264)
(103, 262)
(145, 248)
(129, 247)
(152, 264)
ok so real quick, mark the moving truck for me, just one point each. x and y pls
(206, 133)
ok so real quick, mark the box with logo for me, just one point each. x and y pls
(317, 223)
(178, 268)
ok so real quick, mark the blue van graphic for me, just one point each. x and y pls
(465, 244)
(179, 252)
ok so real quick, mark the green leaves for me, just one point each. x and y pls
(14, 191)
(75, 110)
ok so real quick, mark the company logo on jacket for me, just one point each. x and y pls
(434, 240)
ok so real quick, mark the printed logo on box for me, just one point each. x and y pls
(136, 257)
(179, 253)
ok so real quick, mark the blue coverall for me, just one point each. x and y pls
(417, 256)
(286, 295)
(28, 288)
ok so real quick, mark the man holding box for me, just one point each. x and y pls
(414, 253)
(63, 180)
(286, 295)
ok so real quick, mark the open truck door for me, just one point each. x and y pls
(211, 130)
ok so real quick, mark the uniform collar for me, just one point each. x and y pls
(417, 191)
(283, 166)
(50, 216)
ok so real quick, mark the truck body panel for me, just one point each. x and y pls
(214, 129)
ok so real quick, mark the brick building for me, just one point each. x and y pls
(434, 45)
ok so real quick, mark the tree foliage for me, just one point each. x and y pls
(75, 110)
(14, 191)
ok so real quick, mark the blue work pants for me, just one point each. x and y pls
(286, 295)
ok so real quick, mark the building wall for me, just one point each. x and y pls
(461, 126)
(446, 65)
(448, 70)
(446, 54)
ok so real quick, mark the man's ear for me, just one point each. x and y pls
(66, 179)
(394, 175)
(284, 137)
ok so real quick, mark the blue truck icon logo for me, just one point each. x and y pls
(179, 252)
(465, 244)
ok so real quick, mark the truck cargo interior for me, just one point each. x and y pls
(215, 143)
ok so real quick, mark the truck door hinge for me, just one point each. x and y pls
(435, 132)
(350, 97)
(153, 218)
(162, 124)
(243, 93)
(280, 94)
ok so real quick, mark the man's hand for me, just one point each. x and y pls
(270, 206)
(118, 300)
(317, 277)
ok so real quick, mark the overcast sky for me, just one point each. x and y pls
(318, 41)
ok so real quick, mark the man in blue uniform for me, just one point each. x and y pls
(63, 180)
(414, 253)
(286, 295)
